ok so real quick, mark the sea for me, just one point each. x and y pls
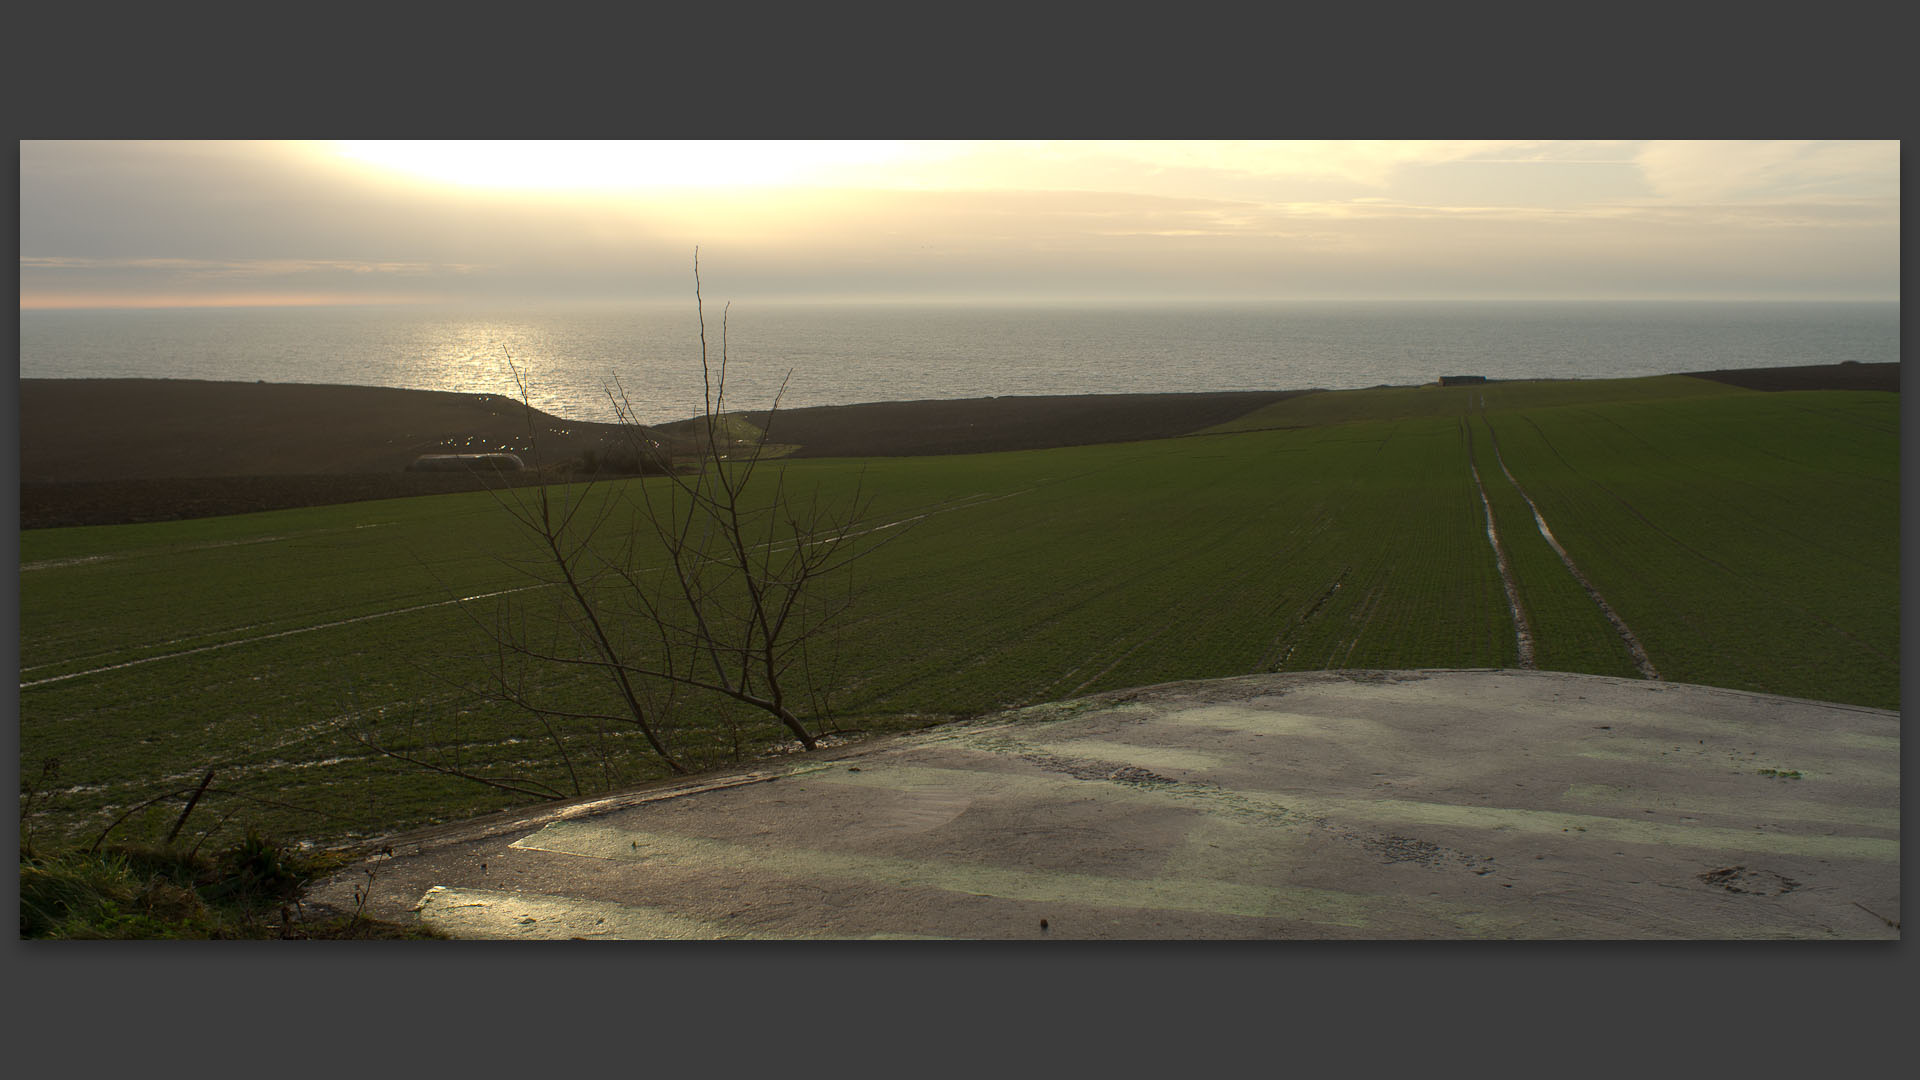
(575, 361)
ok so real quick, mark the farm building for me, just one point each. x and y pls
(494, 462)
(1461, 380)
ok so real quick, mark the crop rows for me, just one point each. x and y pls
(1570, 633)
(1748, 543)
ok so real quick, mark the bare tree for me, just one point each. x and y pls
(757, 571)
(717, 577)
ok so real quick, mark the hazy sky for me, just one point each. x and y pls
(125, 224)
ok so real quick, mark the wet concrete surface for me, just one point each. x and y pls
(1360, 805)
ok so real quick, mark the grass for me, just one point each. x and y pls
(1433, 401)
(1570, 632)
(250, 891)
(1750, 541)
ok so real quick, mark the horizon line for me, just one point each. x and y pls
(239, 303)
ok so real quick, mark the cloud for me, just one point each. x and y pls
(132, 281)
(249, 268)
(1032, 219)
(1366, 163)
(1745, 171)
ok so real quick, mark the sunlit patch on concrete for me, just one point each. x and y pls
(1260, 807)
(486, 913)
(1683, 755)
(1215, 897)
(1598, 827)
(1802, 811)
(1280, 807)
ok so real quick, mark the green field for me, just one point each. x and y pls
(1748, 540)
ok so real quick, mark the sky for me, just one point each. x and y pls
(208, 224)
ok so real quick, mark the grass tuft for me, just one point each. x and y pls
(250, 891)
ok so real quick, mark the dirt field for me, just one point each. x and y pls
(986, 425)
(106, 451)
(75, 430)
(1812, 377)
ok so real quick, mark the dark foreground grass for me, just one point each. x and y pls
(1750, 540)
(251, 891)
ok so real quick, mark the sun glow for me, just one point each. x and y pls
(608, 166)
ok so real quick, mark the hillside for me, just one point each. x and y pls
(115, 451)
(112, 451)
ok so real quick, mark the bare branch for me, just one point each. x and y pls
(513, 784)
(717, 583)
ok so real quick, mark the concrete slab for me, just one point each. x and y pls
(1355, 805)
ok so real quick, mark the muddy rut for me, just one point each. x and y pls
(1522, 628)
(1639, 652)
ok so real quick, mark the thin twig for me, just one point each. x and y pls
(1876, 914)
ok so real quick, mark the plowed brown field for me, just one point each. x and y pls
(108, 451)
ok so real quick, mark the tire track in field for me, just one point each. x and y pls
(279, 634)
(1288, 641)
(1283, 644)
(77, 658)
(1640, 658)
(1744, 579)
(1522, 629)
(1364, 616)
(964, 503)
(1292, 633)
(87, 560)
